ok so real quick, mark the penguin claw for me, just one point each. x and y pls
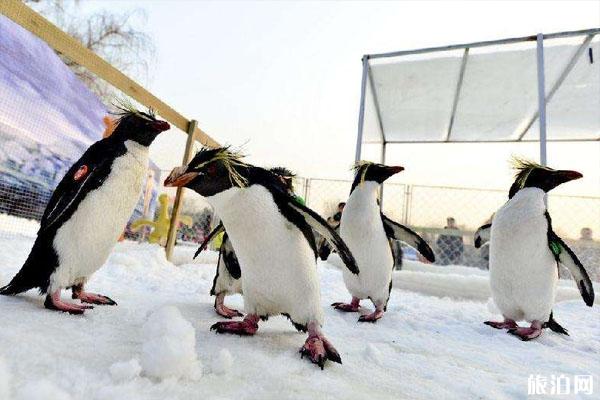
(506, 324)
(345, 307)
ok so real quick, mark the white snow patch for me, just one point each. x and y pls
(125, 370)
(169, 349)
(372, 353)
(223, 363)
(5, 379)
(42, 390)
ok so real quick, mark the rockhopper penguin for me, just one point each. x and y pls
(367, 232)
(87, 213)
(273, 240)
(525, 253)
(227, 280)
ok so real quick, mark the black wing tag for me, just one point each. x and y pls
(218, 229)
(558, 248)
(318, 224)
(482, 235)
(396, 231)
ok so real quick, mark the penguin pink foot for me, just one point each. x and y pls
(318, 348)
(91, 298)
(506, 324)
(53, 302)
(525, 334)
(373, 317)
(225, 311)
(352, 307)
(247, 327)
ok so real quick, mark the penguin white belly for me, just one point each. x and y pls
(362, 230)
(279, 273)
(523, 273)
(85, 241)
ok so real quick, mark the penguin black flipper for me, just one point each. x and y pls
(400, 232)
(571, 262)
(87, 174)
(218, 229)
(317, 223)
(230, 259)
(482, 235)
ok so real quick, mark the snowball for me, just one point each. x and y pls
(125, 370)
(4, 381)
(169, 349)
(42, 390)
(223, 363)
(373, 354)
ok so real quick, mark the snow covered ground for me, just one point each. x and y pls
(156, 343)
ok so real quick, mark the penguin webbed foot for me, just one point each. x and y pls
(93, 298)
(227, 312)
(506, 324)
(373, 317)
(526, 334)
(53, 302)
(353, 306)
(247, 327)
(318, 349)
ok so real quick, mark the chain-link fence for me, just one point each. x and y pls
(447, 217)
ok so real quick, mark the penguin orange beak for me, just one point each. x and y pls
(396, 169)
(161, 126)
(180, 177)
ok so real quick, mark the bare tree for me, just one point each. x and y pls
(113, 36)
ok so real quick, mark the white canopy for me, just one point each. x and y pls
(499, 91)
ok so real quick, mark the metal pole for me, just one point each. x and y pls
(187, 156)
(541, 97)
(361, 112)
(383, 154)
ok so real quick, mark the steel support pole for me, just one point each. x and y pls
(383, 155)
(541, 97)
(361, 111)
(187, 156)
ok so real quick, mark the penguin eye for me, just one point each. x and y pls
(212, 169)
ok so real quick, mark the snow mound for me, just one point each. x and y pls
(4, 381)
(42, 390)
(223, 362)
(125, 370)
(169, 349)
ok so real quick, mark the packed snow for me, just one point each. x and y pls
(156, 344)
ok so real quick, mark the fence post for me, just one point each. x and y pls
(407, 201)
(187, 155)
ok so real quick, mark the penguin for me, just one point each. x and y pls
(274, 243)
(227, 277)
(367, 231)
(525, 254)
(87, 213)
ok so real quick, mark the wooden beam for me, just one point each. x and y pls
(74, 50)
(187, 156)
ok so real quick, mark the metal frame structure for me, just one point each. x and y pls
(543, 97)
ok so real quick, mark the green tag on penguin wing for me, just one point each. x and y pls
(556, 248)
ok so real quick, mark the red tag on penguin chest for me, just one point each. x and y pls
(81, 172)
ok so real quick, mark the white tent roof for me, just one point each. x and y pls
(484, 92)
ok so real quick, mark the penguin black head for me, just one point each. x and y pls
(286, 176)
(530, 174)
(141, 127)
(368, 171)
(211, 171)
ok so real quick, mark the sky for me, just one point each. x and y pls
(282, 79)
